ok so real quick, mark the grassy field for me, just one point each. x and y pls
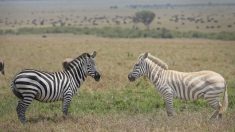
(114, 104)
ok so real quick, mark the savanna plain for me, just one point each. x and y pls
(114, 103)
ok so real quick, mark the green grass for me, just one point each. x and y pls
(117, 32)
(138, 104)
(138, 98)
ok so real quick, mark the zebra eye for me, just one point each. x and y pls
(136, 64)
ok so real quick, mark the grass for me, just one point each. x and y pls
(117, 32)
(134, 108)
(115, 104)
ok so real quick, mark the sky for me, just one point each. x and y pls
(96, 3)
(135, 1)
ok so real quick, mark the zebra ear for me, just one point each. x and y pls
(93, 54)
(65, 65)
(145, 55)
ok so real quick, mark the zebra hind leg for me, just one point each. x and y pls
(220, 114)
(214, 115)
(21, 109)
(215, 104)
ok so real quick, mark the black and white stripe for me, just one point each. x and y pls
(187, 86)
(48, 87)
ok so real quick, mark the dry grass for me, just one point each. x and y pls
(154, 122)
(114, 59)
(116, 55)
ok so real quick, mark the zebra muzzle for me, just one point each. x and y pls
(131, 78)
(97, 76)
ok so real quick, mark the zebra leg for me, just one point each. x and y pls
(21, 109)
(214, 115)
(66, 103)
(217, 113)
(215, 104)
(169, 104)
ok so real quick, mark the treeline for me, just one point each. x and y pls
(168, 5)
(117, 32)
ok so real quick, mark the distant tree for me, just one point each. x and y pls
(135, 21)
(113, 7)
(145, 17)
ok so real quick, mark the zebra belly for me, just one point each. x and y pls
(37, 90)
(41, 99)
(189, 93)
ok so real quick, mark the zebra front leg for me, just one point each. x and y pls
(66, 103)
(169, 104)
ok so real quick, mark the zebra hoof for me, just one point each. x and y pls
(170, 114)
(23, 122)
(65, 116)
(220, 116)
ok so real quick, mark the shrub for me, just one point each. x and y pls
(117, 32)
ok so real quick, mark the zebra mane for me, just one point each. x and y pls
(83, 55)
(157, 61)
(67, 63)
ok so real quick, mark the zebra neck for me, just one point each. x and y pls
(78, 75)
(154, 73)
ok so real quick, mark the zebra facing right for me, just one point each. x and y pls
(48, 87)
(184, 85)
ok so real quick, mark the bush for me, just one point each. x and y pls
(117, 32)
(9, 31)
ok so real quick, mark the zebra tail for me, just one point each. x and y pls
(225, 101)
(16, 93)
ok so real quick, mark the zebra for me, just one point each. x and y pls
(2, 67)
(43, 86)
(183, 85)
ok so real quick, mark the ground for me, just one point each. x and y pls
(114, 103)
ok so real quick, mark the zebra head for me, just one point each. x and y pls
(139, 68)
(90, 67)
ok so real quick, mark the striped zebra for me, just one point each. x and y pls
(2, 67)
(183, 85)
(49, 87)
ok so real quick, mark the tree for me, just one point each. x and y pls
(145, 17)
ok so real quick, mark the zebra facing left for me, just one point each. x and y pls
(44, 86)
(171, 84)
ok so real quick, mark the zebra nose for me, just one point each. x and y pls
(131, 78)
(97, 76)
